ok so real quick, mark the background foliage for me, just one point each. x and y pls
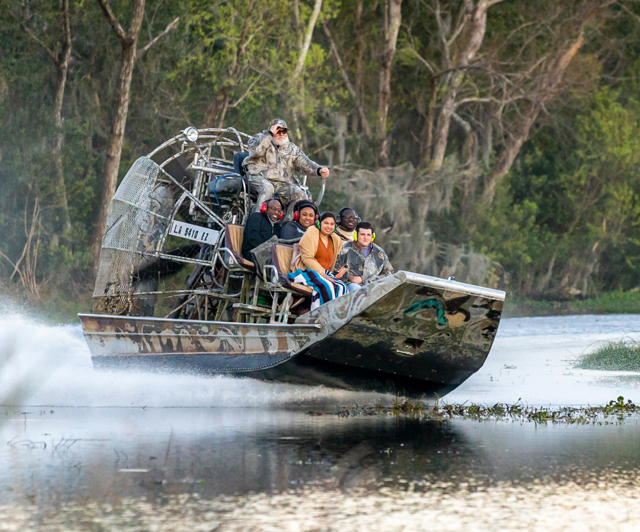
(503, 150)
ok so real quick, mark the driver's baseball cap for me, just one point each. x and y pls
(278, 122)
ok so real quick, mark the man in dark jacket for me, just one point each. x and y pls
(261, 226)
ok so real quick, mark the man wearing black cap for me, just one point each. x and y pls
(272, 161)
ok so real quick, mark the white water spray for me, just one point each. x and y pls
(532, 359)
(47, 365)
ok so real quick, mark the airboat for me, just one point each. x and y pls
(173, 292)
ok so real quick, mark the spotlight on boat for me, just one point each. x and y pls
(191, 133)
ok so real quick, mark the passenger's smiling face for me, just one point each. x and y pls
(307, 217)
(274, 210)
(364, 238)
(348, 220)
(327, 226)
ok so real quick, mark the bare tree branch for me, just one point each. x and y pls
(246, 93)
(479, 99)
(122, 35)
(462, 22)
(169, 27)
(34, 37)
(424, 62)
(549, 83)
(629, 11)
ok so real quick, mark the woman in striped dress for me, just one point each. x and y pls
(319, 248)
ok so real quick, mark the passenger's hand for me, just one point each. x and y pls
(324, 173)
(355, 279)
(341, 272)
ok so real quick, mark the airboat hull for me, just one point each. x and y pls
(409, 334)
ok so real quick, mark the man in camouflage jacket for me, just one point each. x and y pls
(366, 261)
(271, 163)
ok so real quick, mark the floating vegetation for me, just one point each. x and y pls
(615, 356)
(612, 413)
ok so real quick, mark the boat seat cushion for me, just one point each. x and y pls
(233, 236)
(284, 257)
(281, 255)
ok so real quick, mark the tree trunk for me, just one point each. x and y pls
(223, 113)
(487, 143)
(543, 282)
(359, 54)
(296, 22)
(62, 68)
(393, 19)
(444, 122)
(129, 43)
(307, 40)
(347, 82)
(453, 80)
(470, 146)
(297, 91)
(426, 134)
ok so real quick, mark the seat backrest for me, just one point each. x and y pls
(281, 256)
(238, 159)
(233, 236)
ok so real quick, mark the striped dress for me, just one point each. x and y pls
(323, 289)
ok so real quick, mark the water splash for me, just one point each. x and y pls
(532, 359)
(42, 364)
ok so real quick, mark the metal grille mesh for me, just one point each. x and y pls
(129, 214)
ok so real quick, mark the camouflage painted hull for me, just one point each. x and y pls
(410, 334)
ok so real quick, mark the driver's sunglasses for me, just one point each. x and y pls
(281, 131)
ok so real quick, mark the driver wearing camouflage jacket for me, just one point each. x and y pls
(271, 163)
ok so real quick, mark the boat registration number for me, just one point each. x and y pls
(194, 232)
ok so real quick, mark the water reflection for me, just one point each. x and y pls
(107, 454)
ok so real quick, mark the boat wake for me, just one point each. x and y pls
(41, 364)
(532, 360)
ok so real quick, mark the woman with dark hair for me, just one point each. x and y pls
(305, 214)
(319, 248)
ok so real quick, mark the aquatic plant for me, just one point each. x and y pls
(616, 356)
(613, 412)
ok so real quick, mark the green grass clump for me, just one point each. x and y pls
(615, 302)
(616, 356)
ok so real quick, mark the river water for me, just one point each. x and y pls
(111, 451)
